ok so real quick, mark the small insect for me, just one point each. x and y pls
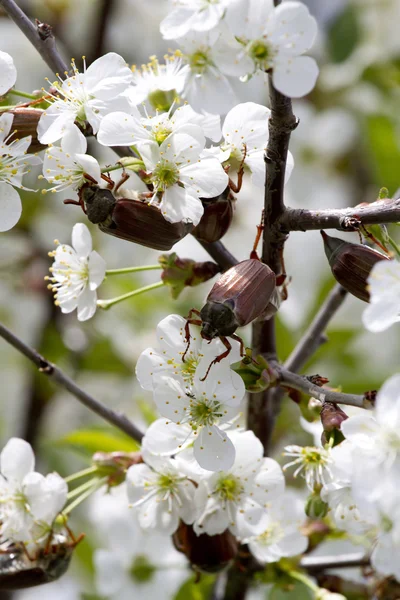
(243, 293)
(129, 219)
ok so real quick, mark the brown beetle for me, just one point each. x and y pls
(217, 218)
(131, 220)
(243, 293)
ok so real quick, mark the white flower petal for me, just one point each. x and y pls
(8, 73)
(360, 429)
(207, 178)
(81, 240)
(295, 77)
(180, 204)
(16, 459)
(108, 76)
(97, 270)
(121, 129)
(10, 207)
(73, 141)
(213, 449)
(87, 304)
(381, 314)
(109, 572)
(165, 438)
(387, 405)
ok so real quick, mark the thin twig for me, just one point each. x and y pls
(98, 34)
(313, 337)
(342, 561)
(220, 254)
(345, 219)
(52, 371)
(301, 383)
(40, 36)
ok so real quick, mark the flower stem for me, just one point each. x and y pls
(108, 303)
(304, 579)
(82, 488)
(80, 474)
(113, 168)
(96, 484)
(133, 269)
(22, 94)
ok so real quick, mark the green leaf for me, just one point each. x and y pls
(294, 591)
(89, 441)
(344, 35)
(384, 151)
(196, 591)
(102, 357)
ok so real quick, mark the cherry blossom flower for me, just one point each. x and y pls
(8, 73)
(14, 164)
(65, 166)
(384, 291)
(29, 502)
(206, 87)
(167, 358)
(199, 416)
(282, 536)
(245, 133)
(268, 37)
(77, 272)
(159, 84)
(315, 462)
(160, 494)
(196, 15)
(181, 176)
(86, 96)
(236, 498)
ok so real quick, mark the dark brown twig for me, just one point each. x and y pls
(52, 371)
(40, 36)
(220, 254)
(314, 564)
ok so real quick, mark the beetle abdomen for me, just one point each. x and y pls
(249, 285)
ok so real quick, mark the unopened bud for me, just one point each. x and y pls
(351, 264)
(315, 507)
(179, 273)
(216, 220)
(256, 374)
(332, 418)
(207, 553)
(25, 123)
(114, 465)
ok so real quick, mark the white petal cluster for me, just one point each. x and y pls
(86, 96)
(14, 164)
(29, 502)
(384, 290)
(192, 15)
(76, 273)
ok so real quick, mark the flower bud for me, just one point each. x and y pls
(25, 123)
(351, 264)
(207, 553)
(256, 374)
(138, 222)
(216, 220)
(114, 465)
(331, 418)
(181, 272)
(315, 507)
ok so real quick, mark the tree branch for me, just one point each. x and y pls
(298, 382)
(220, 254)
(40, 36)
(315, 564)
(52, 371)
(345, 219)
(313, 337)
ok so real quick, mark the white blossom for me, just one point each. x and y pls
(166, 359)
(86, 96)
(14, 164)
(160, 494)
(196, 15)
(199, 416)
(245, 138)
(65, 166)
(236, 498)
(384, 291)
(76, 274)
(282, 536)
(8, 73)
(312, 462)
(29, 502)
(181, 176)
(268, 37)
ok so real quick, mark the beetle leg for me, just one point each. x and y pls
(90, 178)
(260, 229)
(190, 321)
(371, 237)
(239, 339)
(76, 203)
(218, 359)
(124, 177)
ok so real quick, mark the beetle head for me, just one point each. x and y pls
(218, 320)
(99, 203)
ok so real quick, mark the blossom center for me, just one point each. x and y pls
(272, 535)
(199, 61)
(165, 175)
(204, 412)
(162, 100)
(167, 483)
(261, 53)
(161, 133)
(229, 488)
(141, 570)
